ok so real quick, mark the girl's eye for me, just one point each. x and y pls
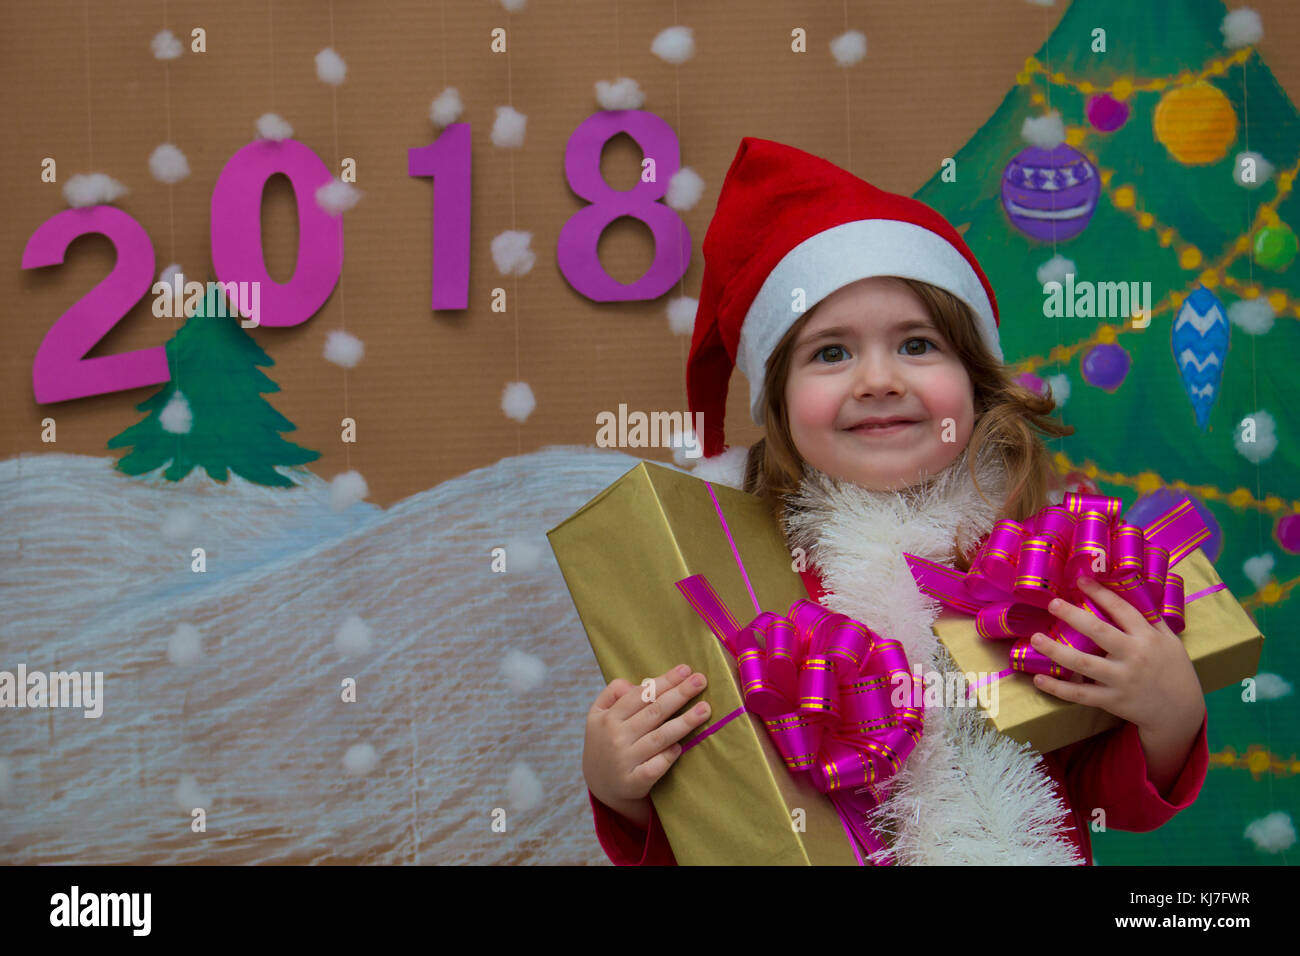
(910, 341)
(828, 348)
(839, 348)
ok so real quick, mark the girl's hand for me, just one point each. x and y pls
(1146, 677)
(631, 741)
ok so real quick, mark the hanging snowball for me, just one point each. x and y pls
(1271, 686)
(176, 417)
(523, 786)
(273, 127)
(1275, 247)
(330, 67)
(187, 794)
(1149, 507)
(165, 45)
(517, 401)
(1241, 27)
(1259, 569)
(849, 47)
(1251, 170)
(1045, 132)
(1050, 194)
(674, 45)
(523, 672)
(446, 109)
(1273, 833)
(508, 128)
(1056, 269)
(1105, 366)
(1196, 123)
(1059, 387)
(622, 94)
(343, 348)
(1252, 316)
(346, 489)
(92, 189)
(337, 196)
(360, 760)
(511, 252)
(1200, 344)
(168, 164)
(352, 639)
(185, 646)
(684, 189)
(1255, 436)
(1287, 533)
(681, 314)
(1105, 113)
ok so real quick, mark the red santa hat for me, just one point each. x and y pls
(789, 220)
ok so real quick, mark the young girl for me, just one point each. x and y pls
(869, 337)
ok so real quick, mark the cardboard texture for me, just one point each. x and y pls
(729, 799)
(1220, 638)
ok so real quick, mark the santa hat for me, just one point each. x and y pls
(789, 220)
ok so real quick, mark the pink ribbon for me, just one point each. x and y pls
(837, 700)
(1021, 567)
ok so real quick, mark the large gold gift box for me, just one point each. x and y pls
(729, 799)
(1220, 638)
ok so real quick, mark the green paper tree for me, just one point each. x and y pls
(214, 365)
(1170, 212)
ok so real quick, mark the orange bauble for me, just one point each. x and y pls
(1196, 124)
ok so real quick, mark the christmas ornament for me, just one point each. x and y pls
(1105, 113)
(1275, 247)
(1200, 344)
(1105, 366)
(1050, 194)
(1149, 507)
(1196, 124)
(1287, 532)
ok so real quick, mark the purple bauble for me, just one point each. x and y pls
(1105, 366)
(1032, 382)
(1106, 113)
(1287, 532)
(1149, 507)
(1050, 194)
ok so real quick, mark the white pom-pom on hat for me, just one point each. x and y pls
(849, 47)
(330, 67)
(274, 127)
(166, 46)
(346, 489)
(167, 164)
(92, 189)
(681, 314)
(517, 401)
(1045, 132)
(343, 348)
(674, 45)
(511, 253)
(623, 94)
(508, 129)
(1241, 27)
(337, 196)
(446, 108)
(684, 189)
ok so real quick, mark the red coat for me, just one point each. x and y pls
(1108, 770)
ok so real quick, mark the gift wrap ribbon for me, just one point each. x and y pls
(824, 687)
(1021, 567)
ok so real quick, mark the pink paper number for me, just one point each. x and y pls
(61, 371)
(447, 160)
(576, 247)
(237, 230)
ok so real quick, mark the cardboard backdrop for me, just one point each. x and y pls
(226, 672)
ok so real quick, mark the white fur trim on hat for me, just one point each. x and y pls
(832, 259)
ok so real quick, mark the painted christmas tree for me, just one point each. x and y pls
(211, 414)
(1149, 143)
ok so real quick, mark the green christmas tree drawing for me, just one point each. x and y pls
(1163, 106)
(211, 414)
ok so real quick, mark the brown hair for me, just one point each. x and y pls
(1009, 416)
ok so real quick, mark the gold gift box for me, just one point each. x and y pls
(1220, 638)
(729, 799)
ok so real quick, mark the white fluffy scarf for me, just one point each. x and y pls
(966, 795)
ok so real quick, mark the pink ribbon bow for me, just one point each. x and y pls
(1021, 567)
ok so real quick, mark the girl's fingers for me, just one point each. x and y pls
(647, 694)
(1106, 636)
(653, 713)
(1071, 658)
(1126, 617)
(664, 738)
(1090, 695)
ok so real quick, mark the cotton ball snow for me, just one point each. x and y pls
(187, 794)
(353, 637)
(1252, 316)
(1045, 132)
(185, 646)
(517, 401)
(508, 129)
(337, 196)
(511, 253)
(347, 489)
(447, 107)
(1265, 437)
(512, 6)
(681, 314)
(330, 67)
(523, 672)
(273, 127)
(1056, 269)
(684, 189)
(168, 275)
(623, 94)
(1060, 386)
(1261, 170)
(523, 787)
(720, 469)
(92, 189)
(1271, 686)
(168, 164)
(522, 555)
(1241, 27)
(165, 45)
(1273, 833)
(360, 760)
(176, 416)
(849, 48)
(1259, 569)
(343, 348)
(674, 45)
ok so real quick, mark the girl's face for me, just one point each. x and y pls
(871, 350)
